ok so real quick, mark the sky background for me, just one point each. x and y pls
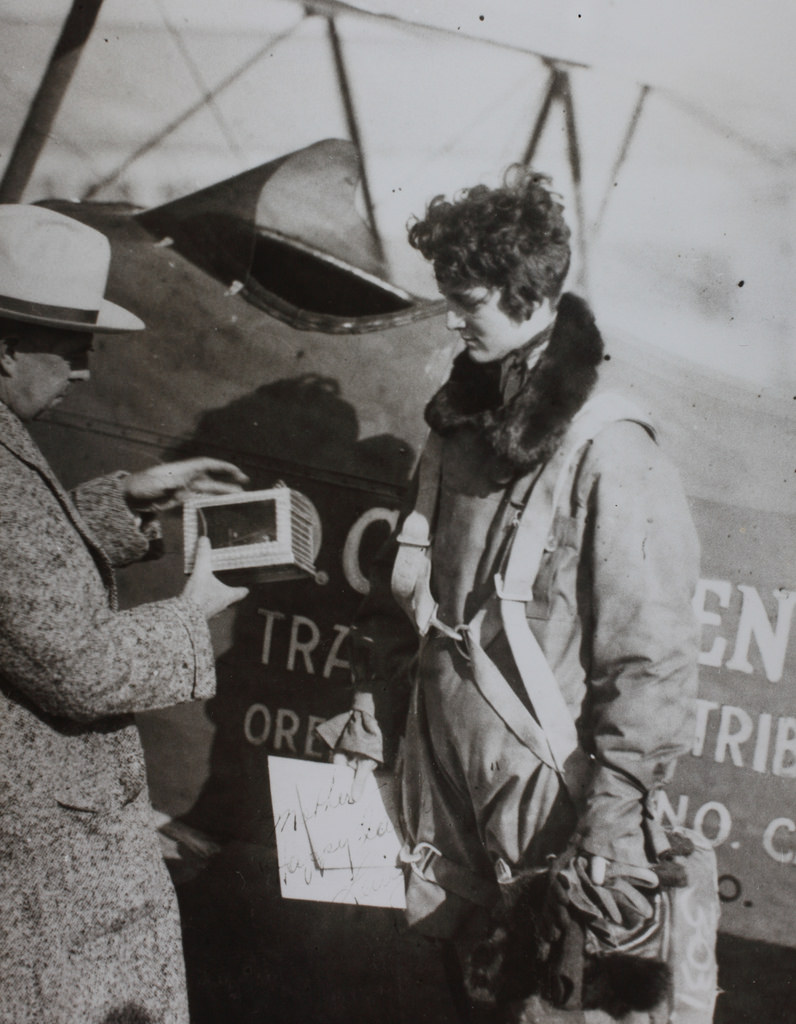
(172, 95)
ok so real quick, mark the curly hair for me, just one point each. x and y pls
(511, 239)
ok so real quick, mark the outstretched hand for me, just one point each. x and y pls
(171, 483)
(205, 589)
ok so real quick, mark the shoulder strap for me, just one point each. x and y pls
(544, 498)
(411, 573)
(514, 588)
(552, 735)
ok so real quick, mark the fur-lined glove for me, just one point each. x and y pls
(613, 899)
(554, 934)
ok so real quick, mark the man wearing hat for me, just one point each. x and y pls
(89, 927)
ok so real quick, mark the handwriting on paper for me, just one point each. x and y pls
(330, 847)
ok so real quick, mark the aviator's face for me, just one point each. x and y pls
(487, 332)
(39, 364)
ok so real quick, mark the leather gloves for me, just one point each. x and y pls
(612, 900)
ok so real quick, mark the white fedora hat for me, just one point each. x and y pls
(53, 271)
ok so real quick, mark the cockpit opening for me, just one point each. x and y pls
(317, 283)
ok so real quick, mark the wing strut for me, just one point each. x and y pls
(553, 90)
(47, 101)
(559, 88)
(353, 129)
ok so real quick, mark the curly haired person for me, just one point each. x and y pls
(608, 602)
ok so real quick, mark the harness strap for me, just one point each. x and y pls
(551, 734)
(411, 573)
(536, 519)
(426, 862)
(535, 731)
(502, 699)
(514, 588)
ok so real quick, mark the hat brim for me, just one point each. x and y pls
(111, 319)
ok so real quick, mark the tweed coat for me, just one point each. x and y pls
(89, 927)
(611, 610)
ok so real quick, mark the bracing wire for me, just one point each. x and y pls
(202, 86)
(621, 156)
(177, 122)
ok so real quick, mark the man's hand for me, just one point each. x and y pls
(171, 483)
(363, 768)
(206, 590)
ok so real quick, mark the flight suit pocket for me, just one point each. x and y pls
(558, 564)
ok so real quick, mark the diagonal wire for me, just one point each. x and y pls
(46, 102)
(172, 126)
(774, 155)
(200, 83)
(622, 154)
(448, 147)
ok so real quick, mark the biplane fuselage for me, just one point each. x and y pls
(272, 340)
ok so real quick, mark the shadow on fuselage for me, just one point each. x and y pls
(282, 960)
(250, 954)
(282, 652)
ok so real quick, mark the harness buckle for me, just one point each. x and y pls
(451, 632)
(460, 641)
(419, 858)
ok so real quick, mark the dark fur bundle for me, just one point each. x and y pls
(537, 948)
(620, 982)
(526, 429)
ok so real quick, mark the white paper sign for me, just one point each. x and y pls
(331, 848)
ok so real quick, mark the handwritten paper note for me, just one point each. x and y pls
(331, 848)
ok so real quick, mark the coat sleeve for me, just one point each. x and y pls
(641, 555)
(124, 536)
(61, 643)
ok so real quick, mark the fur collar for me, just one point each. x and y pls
(524, 430)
